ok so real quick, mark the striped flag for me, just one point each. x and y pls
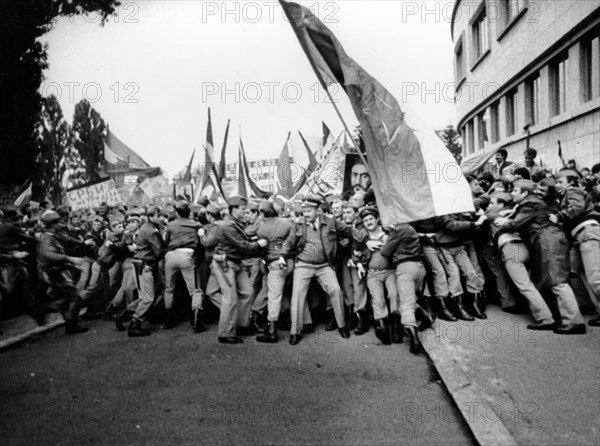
(414, 176)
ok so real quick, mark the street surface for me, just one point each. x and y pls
(175, 387)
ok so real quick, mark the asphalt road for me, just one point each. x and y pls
(175, 387)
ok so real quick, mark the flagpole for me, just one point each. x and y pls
(323, 84)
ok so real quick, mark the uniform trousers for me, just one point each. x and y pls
(409, 281)
(326, 277)
(182, 260)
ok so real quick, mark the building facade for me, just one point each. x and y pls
(532, 63)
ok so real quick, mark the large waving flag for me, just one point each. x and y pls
(414, 176)
(209, 154)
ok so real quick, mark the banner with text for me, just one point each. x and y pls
(92, 195)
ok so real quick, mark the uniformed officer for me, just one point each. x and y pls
(275, 230)
(181, 240)
(232, 246)
(404, 249)
(313, 243)
(149, 250)
(57, 270)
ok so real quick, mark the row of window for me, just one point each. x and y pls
(504, 14)
(486, 126)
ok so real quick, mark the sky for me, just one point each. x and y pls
(153, 70)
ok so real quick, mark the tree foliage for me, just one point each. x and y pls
(53, 144)
(451, 140)
(89, 134)
(22, 61)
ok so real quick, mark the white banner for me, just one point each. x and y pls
(91, 196)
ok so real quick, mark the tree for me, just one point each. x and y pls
(451, 140)
(89, 134)
(53, 144)
(22, 61)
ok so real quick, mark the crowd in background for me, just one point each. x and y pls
(256, 267)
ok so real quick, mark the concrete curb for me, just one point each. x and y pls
(467, 394)
(18, 338)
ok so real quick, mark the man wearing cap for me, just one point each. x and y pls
(209, 238)
(380, 275)
(582, 224)
(313, 243)
(181, 241)
(516, 257)
(57, 269)
(232, 246)
(253, 293)
(550, 252)
(404, 250)
(275, 230)
(149, 250)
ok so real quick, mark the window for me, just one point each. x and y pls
(512, 8)
(470, 137)
(459, 62)
(495, 122)
(481, 131)
(532, 98)
(558, 86)
(480, 33)
(511, 113)
(590, 82)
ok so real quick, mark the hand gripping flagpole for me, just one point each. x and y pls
(324, 85)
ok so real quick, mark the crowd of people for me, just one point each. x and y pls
(263, 266)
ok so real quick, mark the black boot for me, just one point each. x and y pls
(270, 334)
(136, 330)
(442, 310)
(170, 319)
(363, 323)
(397, 334)
(122, 318)
(460, 311)
(344, 332)
(476, 306)
(351, 317)
(413, 336)
(258, 321)
(383, 332)
(72, 327)
(197, 322)
(332, 324)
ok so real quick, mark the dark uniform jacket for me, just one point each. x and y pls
(403, 245)
(275, 230)
(182, 233)
(453, 229)
(233, 242)
(330, 231)
(150, 244)
(548, 243)
(575, 208)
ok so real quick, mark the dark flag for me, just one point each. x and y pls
(256, 191)
(223, 165)
(414, 176)
(187, 176)
(284, 170)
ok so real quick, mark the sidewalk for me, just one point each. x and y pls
(518, 386)
(23, 327)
